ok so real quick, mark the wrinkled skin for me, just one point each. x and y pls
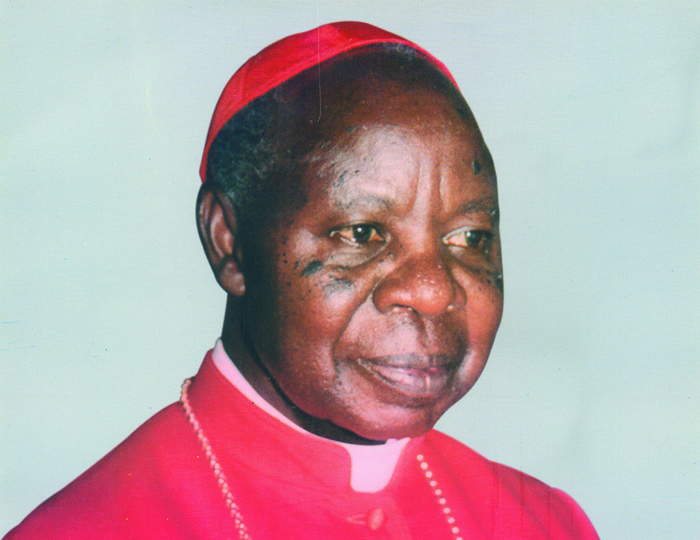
(370, 306)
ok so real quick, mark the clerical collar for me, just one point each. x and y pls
(372, 465)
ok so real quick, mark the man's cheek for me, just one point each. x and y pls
(310, 268)
(335, 286)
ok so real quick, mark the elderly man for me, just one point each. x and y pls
(349, 210)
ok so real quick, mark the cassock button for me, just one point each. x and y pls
(375, 518)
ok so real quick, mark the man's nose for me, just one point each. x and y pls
(422, 283)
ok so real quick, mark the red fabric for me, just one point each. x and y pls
(290, 56)
(158, 485)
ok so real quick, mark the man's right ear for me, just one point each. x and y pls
(216, 222)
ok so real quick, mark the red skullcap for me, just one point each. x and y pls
(290, 56)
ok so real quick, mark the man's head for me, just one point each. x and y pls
(351, 214)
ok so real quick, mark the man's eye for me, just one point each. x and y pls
(469, 238)
(358, 234)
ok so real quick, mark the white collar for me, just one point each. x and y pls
(372, 465)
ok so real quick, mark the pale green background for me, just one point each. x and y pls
(592, 113)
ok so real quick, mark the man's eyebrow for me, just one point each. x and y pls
(487, 205)
(368, 201)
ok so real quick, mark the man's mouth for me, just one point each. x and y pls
(414, 375)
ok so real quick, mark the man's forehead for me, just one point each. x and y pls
(419, 123)
(381, 168)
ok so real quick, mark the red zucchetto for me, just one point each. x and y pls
(290, 56)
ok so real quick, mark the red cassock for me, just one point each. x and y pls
(290, 485)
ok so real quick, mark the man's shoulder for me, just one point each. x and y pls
(126, 487)
(512, 497)
(469, 464)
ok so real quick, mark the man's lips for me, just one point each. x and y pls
(415, 375)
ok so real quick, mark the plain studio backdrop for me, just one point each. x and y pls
(592, 113)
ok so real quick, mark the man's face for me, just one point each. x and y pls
(375, 302)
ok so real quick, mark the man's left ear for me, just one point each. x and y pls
(217, 225)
